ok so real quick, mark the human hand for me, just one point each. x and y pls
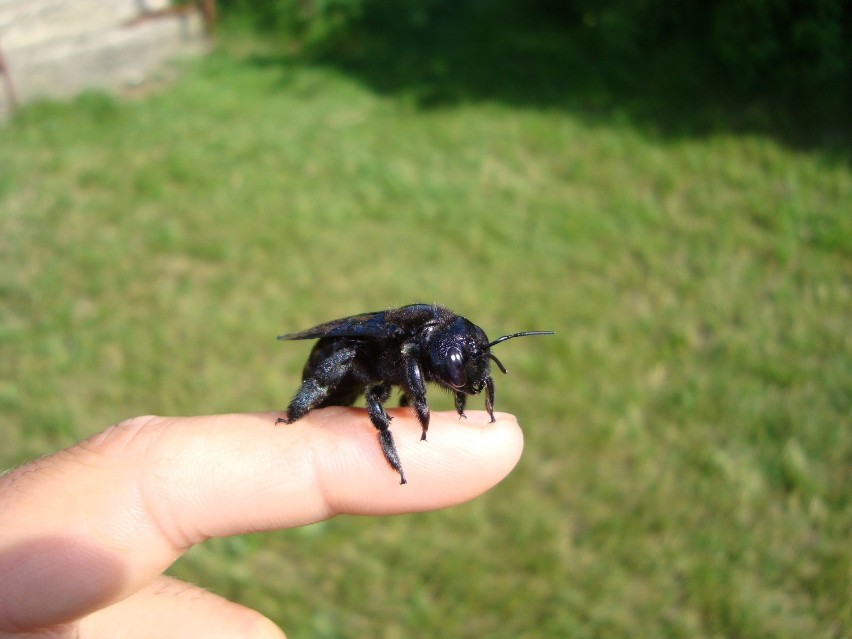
(86, 533)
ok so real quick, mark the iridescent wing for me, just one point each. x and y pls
(379, 325)
(362, 325)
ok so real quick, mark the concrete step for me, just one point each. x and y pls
(58, 48)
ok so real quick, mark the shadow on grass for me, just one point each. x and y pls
(474, 52)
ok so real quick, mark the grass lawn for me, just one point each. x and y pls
(688, 458)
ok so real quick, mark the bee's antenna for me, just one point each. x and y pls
(504, 338)
(524, 334)
(499, 364)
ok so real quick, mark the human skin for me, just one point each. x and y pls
(86, 533)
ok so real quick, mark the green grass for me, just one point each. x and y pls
(689, 454)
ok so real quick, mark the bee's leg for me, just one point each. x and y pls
(489, 397)
(376, 396)
(404, 400)
(461, 400)
(416, 389)
(322, 381)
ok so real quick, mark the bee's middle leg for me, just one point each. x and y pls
(376, 396)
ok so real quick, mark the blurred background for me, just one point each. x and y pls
(667, 185)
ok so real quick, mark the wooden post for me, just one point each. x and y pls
(7, 82)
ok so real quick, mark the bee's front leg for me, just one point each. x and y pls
(489, 397)
(461, 400)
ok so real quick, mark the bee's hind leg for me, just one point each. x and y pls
(321, 382)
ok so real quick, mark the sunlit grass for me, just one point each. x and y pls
(688, 447)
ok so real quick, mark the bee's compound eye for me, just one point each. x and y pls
(455, 367)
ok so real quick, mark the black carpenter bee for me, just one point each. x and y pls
(406, 347)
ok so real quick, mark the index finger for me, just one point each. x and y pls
(91, 524)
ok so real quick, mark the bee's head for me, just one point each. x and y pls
(460, 354)
(456, 355)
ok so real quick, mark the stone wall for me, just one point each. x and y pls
(58, 48)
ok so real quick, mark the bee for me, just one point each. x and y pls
(405, 347)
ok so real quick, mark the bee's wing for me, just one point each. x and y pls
(363, 325)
